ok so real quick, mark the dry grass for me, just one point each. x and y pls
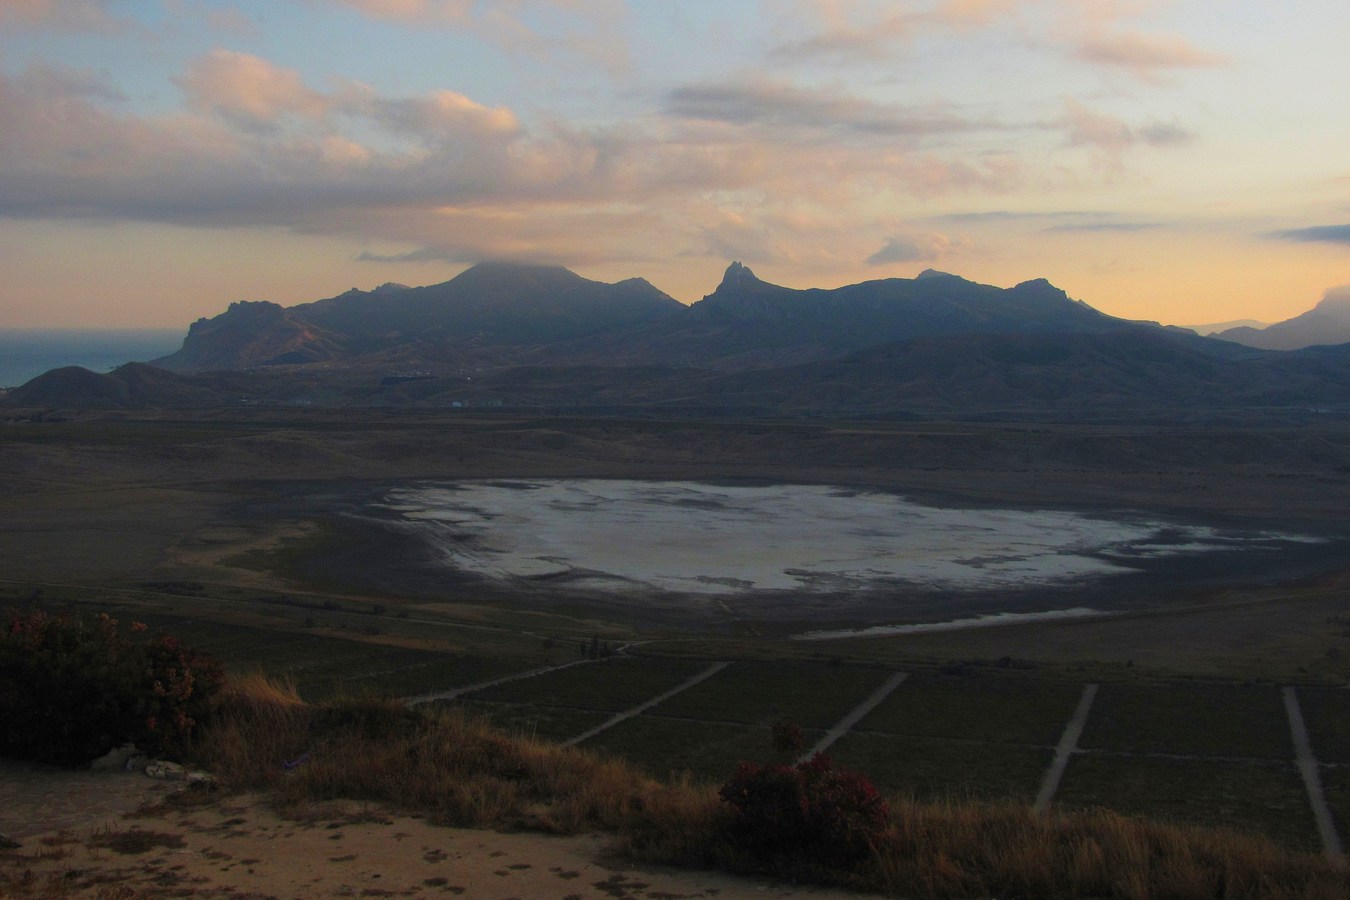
(461, 771)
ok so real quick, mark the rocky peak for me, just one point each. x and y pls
(736, 277)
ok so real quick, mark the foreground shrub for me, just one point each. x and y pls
(810, 813)
(71, 689)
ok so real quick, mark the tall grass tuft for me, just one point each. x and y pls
(461, 771)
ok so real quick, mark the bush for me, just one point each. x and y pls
(72, 689)
(183, 685)
(807, 814)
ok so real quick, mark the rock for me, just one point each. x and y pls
(115, 760)
(8, 843)
(199, 777)
(165, 771)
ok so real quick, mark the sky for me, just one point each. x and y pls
(1186, 162)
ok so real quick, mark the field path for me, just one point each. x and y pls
(643, 707)
(1068, 743)
(482, 685)
(1312, 777)
(853, 718)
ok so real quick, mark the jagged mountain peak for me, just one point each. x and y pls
(738, 274)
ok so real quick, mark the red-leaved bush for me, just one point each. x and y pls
(73, 688)
(810, 813)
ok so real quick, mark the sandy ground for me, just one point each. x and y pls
(239, 848)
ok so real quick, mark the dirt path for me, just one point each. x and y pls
(238, 847)
(1312, 776)
(483, 685)
(856, 715)
(641, 708)
(1068, 743)
(36, 799)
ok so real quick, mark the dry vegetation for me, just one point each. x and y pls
(460, 771)
(164, 499)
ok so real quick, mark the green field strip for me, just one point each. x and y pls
(927, 768)
(549, 723)
(1190, 719)
(707, 751)
(348, 678)
(1311, 773)
(323, 666)
(1326, 710)
(1263, 797)
(611, 685)
(842, 727)
(811, 695)
(647, 704)
(1064, 750)
(977, 706)
(476, 687)
(1336, 785)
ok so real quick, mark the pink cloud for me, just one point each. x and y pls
(1144, 55)
(90, 15)
(249, 89)
(1088, 127)
(415, 11)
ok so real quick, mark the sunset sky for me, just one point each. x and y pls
(1186, 162)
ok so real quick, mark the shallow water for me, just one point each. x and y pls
(712, 539)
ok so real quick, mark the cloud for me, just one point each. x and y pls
(1144, 55)
(853, 31)
(55, 83)
(1329, 234)
(233, 21)
(761, 101)
(844, 40)
(1069, 221)
(257, 146)
(249, 90)
(439, 113)
(755, 169)
(973, 13)
(1113, 136)
(421, 254)
(414, 12)
(915, 248)
(78, 15)
(1003, 215)
(1105, 226)
(562, 29)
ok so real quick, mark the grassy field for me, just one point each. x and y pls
(528, 720)
(982, 705)
(1195, 751)
(1188, 718)
(193, 523)
(926, 768)
(1326, 712)
(706, 751)
(761, 693)
(1266, 798)
(610, 685)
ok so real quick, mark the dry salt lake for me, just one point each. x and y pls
(811, 555)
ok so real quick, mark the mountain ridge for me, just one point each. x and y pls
(543, 337)
(1327, 323)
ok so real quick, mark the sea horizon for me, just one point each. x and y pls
(26, 353)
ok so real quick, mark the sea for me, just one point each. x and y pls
(27, 353)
